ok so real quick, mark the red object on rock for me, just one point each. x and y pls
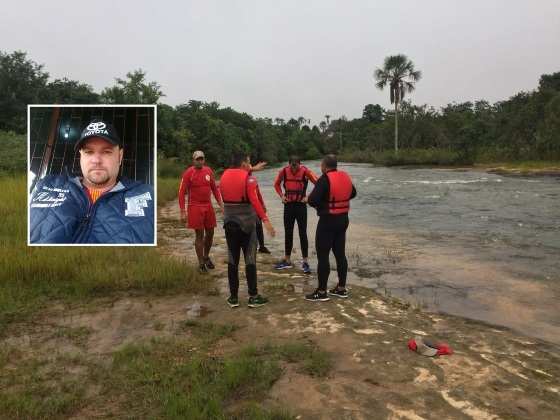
(427, 348)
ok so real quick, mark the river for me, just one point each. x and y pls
(464, 242)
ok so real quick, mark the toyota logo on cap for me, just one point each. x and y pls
(96, 126)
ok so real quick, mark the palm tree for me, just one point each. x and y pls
(397, 72)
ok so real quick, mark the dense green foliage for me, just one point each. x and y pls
(525, 126)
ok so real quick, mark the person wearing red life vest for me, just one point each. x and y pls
(242, 205)
(331, 198)
(197, 182)
(294, 179)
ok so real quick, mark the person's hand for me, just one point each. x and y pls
(304, 199)
(269, 228)
(221, 205)
(284, 199)
(259, 166)
(183, 216)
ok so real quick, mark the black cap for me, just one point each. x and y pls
(99, 128)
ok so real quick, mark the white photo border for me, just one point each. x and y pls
(28, 149)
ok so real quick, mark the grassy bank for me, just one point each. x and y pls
(182, 376)
(31, 277)
(445, 157)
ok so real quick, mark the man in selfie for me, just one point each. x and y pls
(98, 208)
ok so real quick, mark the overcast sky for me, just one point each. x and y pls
(292, 58)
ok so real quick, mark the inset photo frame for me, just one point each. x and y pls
(92, 175)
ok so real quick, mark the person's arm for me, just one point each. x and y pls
(183, 189)
(258, 167)
(261, 199)
(311, 176)
(253, 195)
(354, 192)
(278, 186)
(320, 193)
(215, 190)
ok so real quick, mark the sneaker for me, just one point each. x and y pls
(256, 301)
(233, 302)
(202, 269)
(282, 265)
(209, 264)
(264, 250)
(305, 267)
(317, 296)
(341, 293)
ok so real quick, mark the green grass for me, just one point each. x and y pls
(167, 189)
(34, 388)
(171, 379)
(312, 360)
(208, 332)
(32, 277)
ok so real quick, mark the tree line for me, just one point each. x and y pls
(525, 126)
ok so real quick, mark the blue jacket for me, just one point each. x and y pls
(61, 213)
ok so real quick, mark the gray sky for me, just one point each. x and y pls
(290, 58)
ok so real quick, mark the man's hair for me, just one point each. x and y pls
(294, 159)
(238, 158)
(330, 161)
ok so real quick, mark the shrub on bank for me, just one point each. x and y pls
(417, 157)
(12, 153)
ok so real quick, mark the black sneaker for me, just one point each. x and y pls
(202, 269)
(233, 302)
(209, 264)
(341, 293)
(317, 296)
(264, 250)
(256, 301)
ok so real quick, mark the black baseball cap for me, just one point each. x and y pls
(99, 128)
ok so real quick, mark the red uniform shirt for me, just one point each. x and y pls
(198, 183)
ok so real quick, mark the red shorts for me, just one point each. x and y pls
(201, 217)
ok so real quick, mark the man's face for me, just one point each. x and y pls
(294, 166)
(100, 162)
(198, 162)
(323, 168)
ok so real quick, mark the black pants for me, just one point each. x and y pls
(260, 233)
(295, 212)
(331, 234)
(238, 240)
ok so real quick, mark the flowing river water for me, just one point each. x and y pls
(464, 242)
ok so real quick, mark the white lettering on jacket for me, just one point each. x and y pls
(49, 197)
(135, 205)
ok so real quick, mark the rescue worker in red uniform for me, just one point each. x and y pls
(331, 198)
(294, 179)
(197, 182)
(242, 205)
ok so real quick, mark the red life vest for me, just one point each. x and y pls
(295, 184)
(233, 186)
(340, 190)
